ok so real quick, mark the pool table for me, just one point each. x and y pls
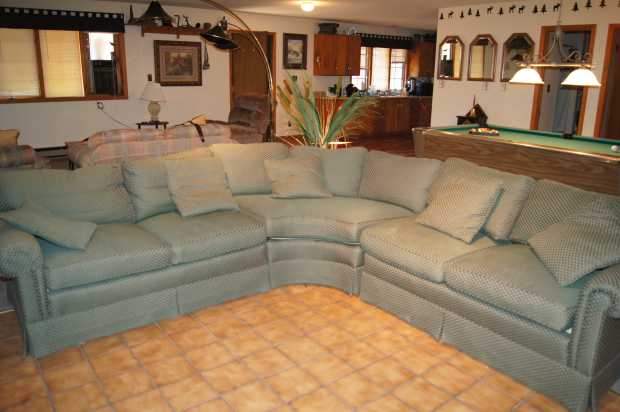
(584, 162)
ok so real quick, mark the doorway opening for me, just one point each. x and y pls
(558, 108)
(607, 125)
(248, 74)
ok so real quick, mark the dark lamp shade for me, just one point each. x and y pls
(220, 39)
(153, 14)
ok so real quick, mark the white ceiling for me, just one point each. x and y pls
(410, 14)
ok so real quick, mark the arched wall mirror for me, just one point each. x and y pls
(519, 48)
(482, 53)
(450, 63)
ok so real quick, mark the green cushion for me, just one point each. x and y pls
(147, 183)
(342, 168)
(93, 194)
(115, 251)
(205, 236)
(299, 177)
(199, 185)
(582, 243)
(516, 189)
(417, 249)
(549, 203)
(245, 165)
(338, 219)
(403, 181)
(39, 222)
(512, 278)
(462, 206)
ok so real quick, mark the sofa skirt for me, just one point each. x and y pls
(548, 375)
(300, 261)
(149, 297)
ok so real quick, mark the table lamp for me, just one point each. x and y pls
(153, 93)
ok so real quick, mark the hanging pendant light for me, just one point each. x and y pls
(219, 36)
(154, 15)
(581, 75)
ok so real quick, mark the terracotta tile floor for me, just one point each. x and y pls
(299, 348)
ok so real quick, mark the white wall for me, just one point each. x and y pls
(51, 124)
(511, 105)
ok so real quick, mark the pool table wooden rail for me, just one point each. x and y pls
(589, 171)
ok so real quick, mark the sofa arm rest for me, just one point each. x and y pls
(21, 260)
(595, 343)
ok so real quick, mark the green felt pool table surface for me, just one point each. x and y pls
(540, 138)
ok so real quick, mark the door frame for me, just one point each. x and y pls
(274, 67)
(600, 111)
(538, 89)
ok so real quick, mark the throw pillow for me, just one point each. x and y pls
(198, 185)
(400, 180)
(462, 207)
(8, 138)
(40, 222)
(582, 243)
(516, 189)
(300, 177)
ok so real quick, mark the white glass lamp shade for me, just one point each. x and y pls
(307, 6)
(527, 75)
(153, 92)
(581, 78)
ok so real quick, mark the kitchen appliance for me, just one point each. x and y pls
(420, 86)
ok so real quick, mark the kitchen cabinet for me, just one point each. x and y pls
(337, 55)
(390, 116)
(422, 60)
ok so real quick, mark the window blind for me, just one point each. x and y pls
(19, 74)
(380, 68)
(62, 64)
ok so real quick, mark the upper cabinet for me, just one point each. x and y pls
(337, 55)
(450, 64)
(482, 52)
(422, 60)
(519, 48)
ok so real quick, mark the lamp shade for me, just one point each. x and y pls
(153, 92)
(219, 36)
(581, 78)
(527, 75)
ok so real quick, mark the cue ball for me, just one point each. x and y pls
(615, 148)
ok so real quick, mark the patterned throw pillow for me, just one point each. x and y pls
(582, 243)
(198, 185)
(40, 222)
(297, 177)
(462, 207)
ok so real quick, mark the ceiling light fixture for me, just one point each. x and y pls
(581, 75)
(307, 6)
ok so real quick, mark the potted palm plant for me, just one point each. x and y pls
(320, 122)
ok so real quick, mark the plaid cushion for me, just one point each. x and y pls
(17, 156)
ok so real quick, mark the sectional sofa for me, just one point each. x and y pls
(492, 298)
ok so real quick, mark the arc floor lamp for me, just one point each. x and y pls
(219, 36)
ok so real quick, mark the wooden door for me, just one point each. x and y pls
(324, 54)
(247, 70)
(396, 115)
(341, 52)
(427, 59)
(354, 51)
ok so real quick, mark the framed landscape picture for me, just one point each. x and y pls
(178, 63)
(295, 51)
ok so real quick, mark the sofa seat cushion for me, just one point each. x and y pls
(417, 249)
(337, 219)
(205, 236)
(115, 251)
(512, 278)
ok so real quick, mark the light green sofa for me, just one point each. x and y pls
(493, 299)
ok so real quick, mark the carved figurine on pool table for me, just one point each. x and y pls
(476, 115)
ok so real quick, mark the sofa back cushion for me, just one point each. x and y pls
(516, 189)
(93, 194)
(403, 181)
(550, 203)
(147, 183)
(342, 168)
(245, 165)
